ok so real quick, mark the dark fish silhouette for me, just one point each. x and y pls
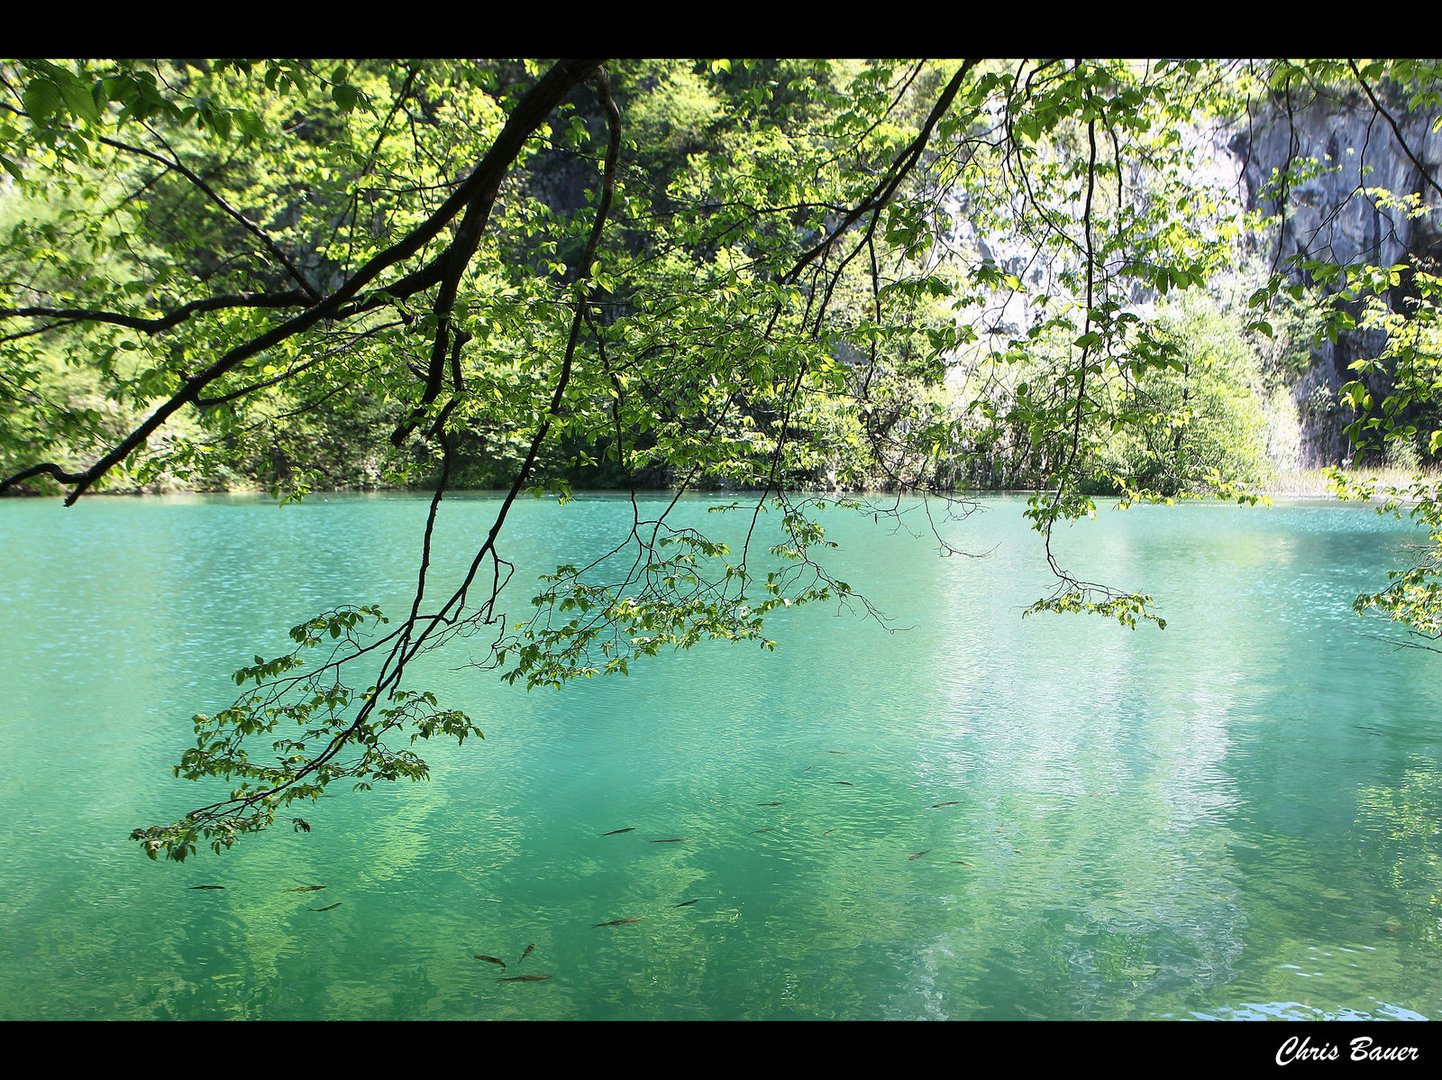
(938, 806)
(918, 855)
(838, 751)
(529, 949)
(618, 922)
(207, 887)
(617, 832)
(828, 832)
(961, 862)
(490, 959)
(523, 978)
(848, 783)
(307, 888)
(327, 907)
(768, 804)
(688, 903)
(671, 840)
(763, 830)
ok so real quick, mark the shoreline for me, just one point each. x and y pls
(1286, 484)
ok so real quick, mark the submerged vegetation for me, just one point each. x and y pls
(749, 277)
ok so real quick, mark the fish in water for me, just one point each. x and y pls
(618, 832)
(618, 922)
(938, 806)
(838, 751)
(828, 832)
(523, 978)
(688, 903)
(490, 959)
(328, 907)
(671, 840)
(848, 783)
(307, 888)
(207, 886)
(961, 862)
(768, 804)
(918, 855)
(529, 949)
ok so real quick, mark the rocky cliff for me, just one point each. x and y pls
(1315, 162)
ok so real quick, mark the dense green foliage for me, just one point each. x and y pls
(1406, 421)
(751, 276)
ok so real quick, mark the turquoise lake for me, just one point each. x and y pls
(1239, 816)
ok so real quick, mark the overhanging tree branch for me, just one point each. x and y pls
(160, 323)
(1422, 170)
(479, 187)
(173, 164)
(246, 811)
(886, 187)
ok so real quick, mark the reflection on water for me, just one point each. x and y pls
(977, 816)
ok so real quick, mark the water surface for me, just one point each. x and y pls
(1237, 816)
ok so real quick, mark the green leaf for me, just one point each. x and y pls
(79, 98)
(42, 99)
(345, 96)
(250, 125)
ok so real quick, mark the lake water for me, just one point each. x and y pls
(1235, 817)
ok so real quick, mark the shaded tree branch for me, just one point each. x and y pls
(175, 165)
(156, 325)
(895, 174)
(1396, 130)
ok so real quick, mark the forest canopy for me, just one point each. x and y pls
(795, 282)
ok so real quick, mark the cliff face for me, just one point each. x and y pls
(1328, 214)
